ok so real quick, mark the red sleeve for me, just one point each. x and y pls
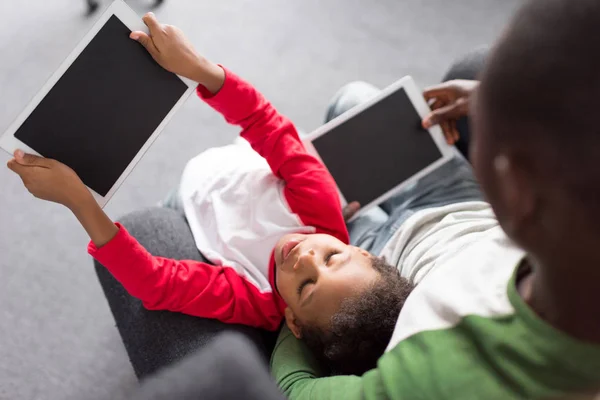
(310, 190)
(190, 287)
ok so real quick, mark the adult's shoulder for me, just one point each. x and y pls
(472, 282)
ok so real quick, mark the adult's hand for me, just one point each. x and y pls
(173, 51)
(449, 101)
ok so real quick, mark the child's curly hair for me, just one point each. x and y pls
(361, 330)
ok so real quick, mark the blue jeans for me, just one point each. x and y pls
(452, 182)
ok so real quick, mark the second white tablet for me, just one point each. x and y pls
(378, 148)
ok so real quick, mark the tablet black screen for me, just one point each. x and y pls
(103, 109)
(378, 149)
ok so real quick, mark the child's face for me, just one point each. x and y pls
(314, 273)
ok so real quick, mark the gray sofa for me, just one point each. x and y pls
(154, 339)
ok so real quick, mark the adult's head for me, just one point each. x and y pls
(342, 301)
(536, 145)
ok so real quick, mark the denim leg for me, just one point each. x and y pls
(350, 95)
(453, 182)
(173, 201)
(363, 229)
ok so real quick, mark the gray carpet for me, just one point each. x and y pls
(57, 337)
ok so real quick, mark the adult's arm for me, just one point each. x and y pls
(299, 376)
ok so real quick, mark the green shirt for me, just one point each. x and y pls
(463, 333)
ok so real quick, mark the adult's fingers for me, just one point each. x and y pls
(31, 160)
(440, 90)
(451, 111)
(145, 41)
(454, 130)
(437, 103)
(152, 23)
(350, 209)
(447, 130)
(434, 105)
(451, 89)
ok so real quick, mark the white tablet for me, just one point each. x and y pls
(103, 108)
(378, 148)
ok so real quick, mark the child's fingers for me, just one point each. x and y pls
(32, 160)
(17, 168)
(350, 209)
(152, 23)
(10, 163)
(146, 41)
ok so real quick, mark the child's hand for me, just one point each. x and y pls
(49, 179)
(172, 50)
(350, 209)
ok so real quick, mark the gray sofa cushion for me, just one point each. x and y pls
(154, 339)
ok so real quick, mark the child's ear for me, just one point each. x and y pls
(290, 320)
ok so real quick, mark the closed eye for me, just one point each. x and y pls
(329, 255)
(303, 285)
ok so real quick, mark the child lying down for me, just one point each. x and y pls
(267, 217)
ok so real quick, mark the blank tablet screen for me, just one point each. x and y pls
(103, 109)
(377, 149)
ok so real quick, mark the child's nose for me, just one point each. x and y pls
(306, 260)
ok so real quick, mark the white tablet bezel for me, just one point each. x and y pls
(127, 16)
(416, 97)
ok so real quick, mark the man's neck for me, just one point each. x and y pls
(564, 295)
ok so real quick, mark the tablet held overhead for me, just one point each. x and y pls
(101, 111)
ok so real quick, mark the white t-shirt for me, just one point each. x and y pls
(432, 237)
(467, 261)
(236, 209)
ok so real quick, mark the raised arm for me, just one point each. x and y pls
(189, 287)
(186, 286)
(310, 190)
